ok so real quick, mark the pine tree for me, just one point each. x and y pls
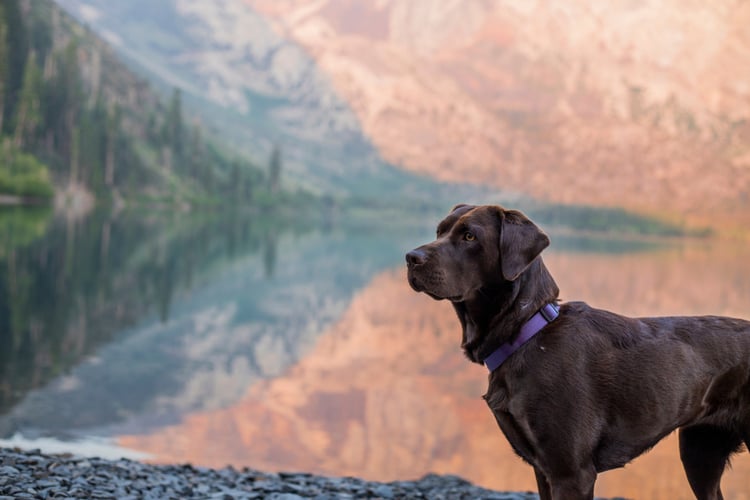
(75, 143)
(17, 50)
(3, 62)
(72, 103)
(196, 156)
(113, 126)
(28, 115)
(174, 126)
(235, 181)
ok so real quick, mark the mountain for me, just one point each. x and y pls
(255, 88)
(643, 105)
(73, 115)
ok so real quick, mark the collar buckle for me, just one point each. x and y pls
(549, 312)
(539, 320)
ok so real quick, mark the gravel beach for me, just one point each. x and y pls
(31, 474)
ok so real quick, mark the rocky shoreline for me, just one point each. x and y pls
(34, 475)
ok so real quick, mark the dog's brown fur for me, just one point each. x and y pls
(593, 389)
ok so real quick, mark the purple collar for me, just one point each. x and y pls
(538, 321)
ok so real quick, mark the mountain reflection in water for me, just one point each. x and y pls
(293, 342)
(386, 394)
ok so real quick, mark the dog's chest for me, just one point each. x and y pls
(512, 422)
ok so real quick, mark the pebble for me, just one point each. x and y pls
(7, 470)
(38, 476)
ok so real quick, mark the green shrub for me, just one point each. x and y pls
(23, 175)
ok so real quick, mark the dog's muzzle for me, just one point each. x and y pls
(414, 260)
(416, 257)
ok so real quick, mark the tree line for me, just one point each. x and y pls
(72, 115)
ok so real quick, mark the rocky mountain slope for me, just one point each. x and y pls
(256, 88)
(636, 104)
(642, 105)
(76, 124)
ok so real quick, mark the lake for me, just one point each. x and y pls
(280, 343)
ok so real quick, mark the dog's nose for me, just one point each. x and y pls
(416, 257)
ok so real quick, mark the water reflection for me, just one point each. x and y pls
(67, 286)
(132, 321)
(285, 343)
(386, 394)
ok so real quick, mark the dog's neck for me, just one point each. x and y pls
(496, 313)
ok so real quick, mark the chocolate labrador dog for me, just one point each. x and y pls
(578, 390)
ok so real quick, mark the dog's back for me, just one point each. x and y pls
(639, 378)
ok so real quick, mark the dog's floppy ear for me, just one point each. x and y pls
(460, 205)
(521, 241)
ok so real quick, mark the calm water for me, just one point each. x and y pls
(280, 344)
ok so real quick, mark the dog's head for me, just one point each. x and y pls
(476, 247)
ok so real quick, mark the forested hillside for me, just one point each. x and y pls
(74, 119)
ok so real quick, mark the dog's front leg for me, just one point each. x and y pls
(542, 485)
(578, 486)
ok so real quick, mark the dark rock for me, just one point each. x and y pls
(34, 475)
(8, 470)
(101, 494)
(47, 483)
(382, 491)
(285, 496)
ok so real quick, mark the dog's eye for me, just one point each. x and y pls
(469, 236)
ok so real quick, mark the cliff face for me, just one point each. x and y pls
(643, 105)
(254, 89)
(637, 104)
